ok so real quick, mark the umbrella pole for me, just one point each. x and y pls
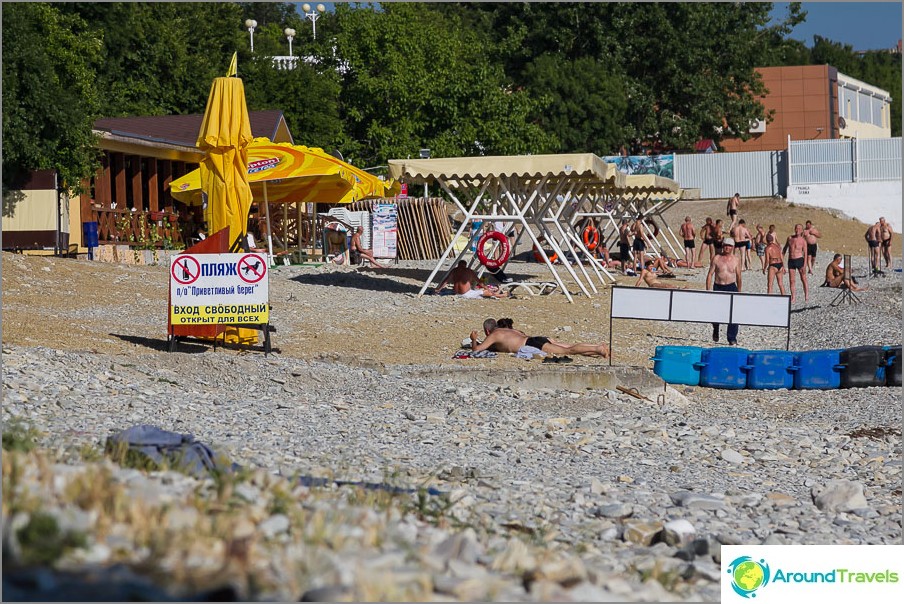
(269, 236)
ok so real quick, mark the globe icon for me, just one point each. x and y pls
(748, 575)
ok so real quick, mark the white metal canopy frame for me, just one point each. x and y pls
(539, 192)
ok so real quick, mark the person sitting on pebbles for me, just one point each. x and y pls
(462, 279)
(502, 339)
(649, 277)
(835, 276)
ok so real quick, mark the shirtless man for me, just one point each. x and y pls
(873, 237)
(365, 252)
(706, 236)
(648, 276)
(725, 276)
(885, 234)
(461, 278)
(717, 236)
(501, 339)
(624, 245)
(796, 248)
(770, 234)
(742, 242)
(731, 208)
(811, 234)
(835, 276)
(759, 242)
(689, 235)
(640, 243)
(772, 256)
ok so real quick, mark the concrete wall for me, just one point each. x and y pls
(865, 201)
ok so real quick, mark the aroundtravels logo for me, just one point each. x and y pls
(748, 575)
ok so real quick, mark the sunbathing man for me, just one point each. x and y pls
(501, 339)
(689, 235)
(885, 232)
(835, 276)
(462, 278)
(873, 238)
(365, 252)
(649, 277)
(811, 233)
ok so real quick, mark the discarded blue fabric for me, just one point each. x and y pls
(178, 451)
(528, 352)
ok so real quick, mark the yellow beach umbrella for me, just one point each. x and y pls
(223, 176)
(286, 173)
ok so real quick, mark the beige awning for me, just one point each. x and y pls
(585, 166)
(650, 183)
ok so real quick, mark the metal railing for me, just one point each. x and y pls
(139, 229)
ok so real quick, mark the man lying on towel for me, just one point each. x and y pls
(462, 278)
(501, 339)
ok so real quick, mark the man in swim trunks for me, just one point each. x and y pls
(706, 235)
(796, 248)
(873, 237)
(640, 243)
(732, 208)
(648, 276)
(811, 234)
(725, 276)
(741, 235)
(500, 339)
(759, 241)
(885, 234)
(717, 236)
(835, 276)
(689, 235)
(772, 256)
(624, 245)
(366, 253)
(462, 278)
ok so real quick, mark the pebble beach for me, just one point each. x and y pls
(484, 483)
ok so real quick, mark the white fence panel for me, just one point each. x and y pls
(750, 173)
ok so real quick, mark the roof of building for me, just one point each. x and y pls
(704, 145)
(182, 130)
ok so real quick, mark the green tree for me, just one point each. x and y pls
(415, 77)
(50, 98)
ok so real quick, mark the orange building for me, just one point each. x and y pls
(815, 102)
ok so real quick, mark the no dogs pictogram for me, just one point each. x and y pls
(251, 268)
(186, 270)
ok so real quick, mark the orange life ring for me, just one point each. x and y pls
(539, 258)
(504, 246)
(591, 237)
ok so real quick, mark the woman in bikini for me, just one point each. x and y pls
(776, 266)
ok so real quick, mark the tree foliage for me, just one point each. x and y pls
(382, 81)
(50, 97)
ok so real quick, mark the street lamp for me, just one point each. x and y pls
(313, 16)
(290, 33)
(251, 24)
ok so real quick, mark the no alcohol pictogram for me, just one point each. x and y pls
(186, 269)
(251, 268)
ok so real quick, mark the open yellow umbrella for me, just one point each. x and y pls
(282, 172)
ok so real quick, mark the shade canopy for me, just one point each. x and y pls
(295, 173)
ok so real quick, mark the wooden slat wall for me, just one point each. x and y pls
(424, 229)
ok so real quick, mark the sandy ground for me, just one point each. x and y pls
(363, 316)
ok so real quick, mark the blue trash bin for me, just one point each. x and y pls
(817, 370)
(724, 368)
(770, 370)
(90, 230)
(678, 364)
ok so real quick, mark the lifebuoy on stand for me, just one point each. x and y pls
(591, 237)
(504, 250)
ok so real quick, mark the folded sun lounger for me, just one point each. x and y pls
(533, 288)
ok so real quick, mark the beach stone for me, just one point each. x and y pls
(839, 496)
(696, 501)
(732, 456)
(640, 532)
(678, 533)
(274, 525)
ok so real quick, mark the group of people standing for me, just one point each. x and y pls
(878, 238)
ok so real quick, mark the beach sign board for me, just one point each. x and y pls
(225, 289)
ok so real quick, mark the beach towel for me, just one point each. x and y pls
(528, 352)
(467, 354)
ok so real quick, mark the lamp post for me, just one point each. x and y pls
(251, 24)
(290, 33)
(313, 16)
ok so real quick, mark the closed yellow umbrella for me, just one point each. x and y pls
(224, 137)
